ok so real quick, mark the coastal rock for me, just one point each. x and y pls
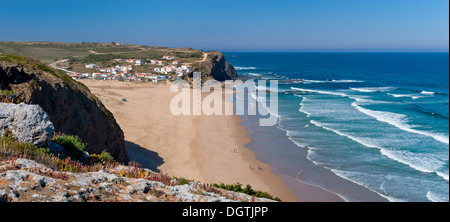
(32, 183)
(72, 108)
(27, 123)
(216, 67)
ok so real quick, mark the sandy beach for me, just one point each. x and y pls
(203, 148)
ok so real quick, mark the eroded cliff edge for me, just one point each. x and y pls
(72, 108)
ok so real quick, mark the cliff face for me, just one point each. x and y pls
(72, 108)
(215, 66)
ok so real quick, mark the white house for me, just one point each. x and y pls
(170, 57)
(85, 75)
(96, 75)
(186, 67)
(139, 62)
(176, 62)
(92, 66)
(124, 68)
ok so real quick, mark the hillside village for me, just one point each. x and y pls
(169, 67)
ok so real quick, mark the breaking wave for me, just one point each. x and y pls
(399, 121)
(244, 68)
(373, 89)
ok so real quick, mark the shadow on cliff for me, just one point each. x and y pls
(149, 159)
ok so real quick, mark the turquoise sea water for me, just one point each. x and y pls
(380, 120)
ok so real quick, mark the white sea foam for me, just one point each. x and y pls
(348, 175)
(359, 100)
(270, 89)
(443, 174)
(346, 199)
(373, 89)
(399, 121)
(255, 74)
(263, 102)
(310, 81)
(412, 96)
(301, 106)
(423, 164)
(244, 68)
(358, 140)
(399, 95)
(346, 80)
(427, 93)
(321, 92)
(434, 197)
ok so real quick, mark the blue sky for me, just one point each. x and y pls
(235, 25)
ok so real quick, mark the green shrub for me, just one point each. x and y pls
(21, 147)
(237, 187)
(72, 144)
(45, 69)
(102, 158)
(7, 92)
(182, 181)
(45, 151)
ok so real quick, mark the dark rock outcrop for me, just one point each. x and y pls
(72, 108)
(215, 66)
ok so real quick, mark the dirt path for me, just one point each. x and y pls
(53, 65)
(94, 52)
(205, 56)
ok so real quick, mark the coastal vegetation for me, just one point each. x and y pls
(72, 144)
(237, 187)
(93, 52)
(11, 150)
(9, 96)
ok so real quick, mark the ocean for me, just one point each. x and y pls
(379, 120)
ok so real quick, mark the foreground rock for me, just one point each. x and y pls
(27, 123)
(30, 181)
(72, 108)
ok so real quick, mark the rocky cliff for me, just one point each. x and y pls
(72, 108)
(215, 67)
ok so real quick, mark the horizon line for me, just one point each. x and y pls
(335, 51)
(329, 50)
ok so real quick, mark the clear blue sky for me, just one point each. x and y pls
(235, 25)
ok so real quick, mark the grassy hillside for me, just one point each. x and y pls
(93, 52)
